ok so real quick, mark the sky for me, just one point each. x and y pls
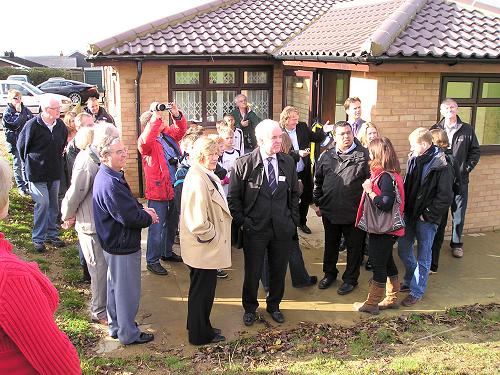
(47, 27)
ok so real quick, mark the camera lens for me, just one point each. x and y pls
(161, 107)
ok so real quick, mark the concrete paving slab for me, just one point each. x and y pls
(473, 279)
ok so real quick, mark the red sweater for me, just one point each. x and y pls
(30, 341)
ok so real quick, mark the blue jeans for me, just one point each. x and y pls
(458, 208)
(161, 235)
(417, 269)
(18, 169)
(44, 194)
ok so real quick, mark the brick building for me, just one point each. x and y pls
(401, 57)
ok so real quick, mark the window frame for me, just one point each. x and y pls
(475, 102)
(205, 86)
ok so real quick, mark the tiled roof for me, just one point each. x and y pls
(435, 28)
(447, 29)
(19, 61)
(318, 29)
(340, 33)
(220, 27)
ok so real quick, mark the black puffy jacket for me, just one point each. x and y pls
(337, 183)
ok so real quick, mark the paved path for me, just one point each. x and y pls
(472, 279)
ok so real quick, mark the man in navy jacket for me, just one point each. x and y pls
(119, 219)
(41, 144)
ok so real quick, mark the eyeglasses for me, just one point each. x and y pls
(55, 108)
(16, 98)
(120, 152)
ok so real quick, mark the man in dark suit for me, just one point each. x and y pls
(264, 200)
(301, 137)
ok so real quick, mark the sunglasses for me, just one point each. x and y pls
(16, 98)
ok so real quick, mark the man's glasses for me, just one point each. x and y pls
(16, 98)
(55, 108)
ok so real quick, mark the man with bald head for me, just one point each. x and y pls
(264, 200)
(41, 144)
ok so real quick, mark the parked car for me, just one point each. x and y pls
(19, 77)
(31, 96)
(78, 92)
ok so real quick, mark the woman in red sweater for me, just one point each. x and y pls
(30, 341)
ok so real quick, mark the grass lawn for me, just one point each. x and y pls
(463, 340)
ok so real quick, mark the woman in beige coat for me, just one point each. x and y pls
(205, 233)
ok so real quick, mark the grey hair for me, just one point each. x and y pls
(239, 96)
(46, 99)
(83, 137)
(104, 147)
(265, 128)
(103, 130)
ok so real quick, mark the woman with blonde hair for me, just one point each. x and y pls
(368, 133)
(30, 341)
(205, 233)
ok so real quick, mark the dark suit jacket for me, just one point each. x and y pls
(246, 181)
(304, 137)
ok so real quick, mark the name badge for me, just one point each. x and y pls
(281, 178)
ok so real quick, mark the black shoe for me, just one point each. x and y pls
(221, 274)
(368, 265)
(157, 269)
(326, 281)
(249, 318)
(143, 338)
(304, 228)
(218, 338)
(345, 288)
(312, 281)
(217, 331)
(277, 316)
(172, 258)
(56, 242)
(39, 247)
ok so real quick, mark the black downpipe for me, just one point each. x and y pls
(137, 84)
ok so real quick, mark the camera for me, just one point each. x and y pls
(173, 161)
(160, 106)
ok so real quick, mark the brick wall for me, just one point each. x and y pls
(405, 101)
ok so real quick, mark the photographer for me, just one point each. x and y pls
(159, 147)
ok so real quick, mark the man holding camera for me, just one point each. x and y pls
(159, 147)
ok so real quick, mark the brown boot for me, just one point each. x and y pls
(374, 297)
(391, 294)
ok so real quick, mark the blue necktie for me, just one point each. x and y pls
(271, 176)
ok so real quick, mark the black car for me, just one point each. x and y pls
(78, 92)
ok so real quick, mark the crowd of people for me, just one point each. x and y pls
(248, 186)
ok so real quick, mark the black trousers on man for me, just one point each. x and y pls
(354, 238)
(306, 196)
(200, 302)
(255, 245)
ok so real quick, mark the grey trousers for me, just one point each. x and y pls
(98, 268)
(124, 293)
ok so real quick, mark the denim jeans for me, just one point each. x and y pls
(157, 232)
(417, 269)
(44, 194)
(458, 208)
(18, 169)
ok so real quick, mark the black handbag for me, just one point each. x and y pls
(374, 220)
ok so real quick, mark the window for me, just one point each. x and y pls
(478, 99)
(206, 94)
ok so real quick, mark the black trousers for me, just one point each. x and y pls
(254, 248)
(354, 238)
(380, 250)
(305, 197)
(438, 242)
(200, 302)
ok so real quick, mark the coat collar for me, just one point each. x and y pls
(257, 158)
(214, 193)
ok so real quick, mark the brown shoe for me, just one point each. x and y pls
(410, 300)
(375, 295)
(457, 252)
(392, 288)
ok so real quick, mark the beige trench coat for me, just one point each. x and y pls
(205, 223)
